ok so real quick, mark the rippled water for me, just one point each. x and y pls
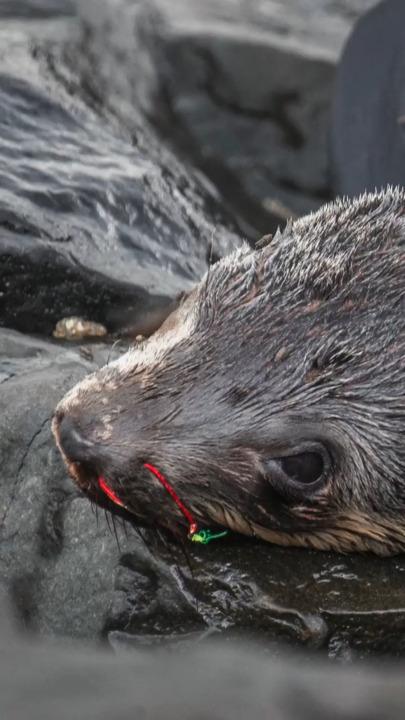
(84, 179)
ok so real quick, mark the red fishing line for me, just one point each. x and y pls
(110, 493)
(187, 514)
(204, 536)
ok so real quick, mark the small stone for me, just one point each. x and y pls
(75, 328)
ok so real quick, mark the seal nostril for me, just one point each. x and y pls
(74, 445)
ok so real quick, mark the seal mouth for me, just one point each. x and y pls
(86, 478)
(194, 533)
(106, 499)
(143, 496)
(103, 485)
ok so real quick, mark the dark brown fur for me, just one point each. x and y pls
(294, 348)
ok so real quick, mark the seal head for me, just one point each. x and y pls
(273, 398)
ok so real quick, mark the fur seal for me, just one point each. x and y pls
(273, 398)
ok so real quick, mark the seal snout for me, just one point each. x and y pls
(72, 440)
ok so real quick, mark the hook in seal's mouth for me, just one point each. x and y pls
(195, 535)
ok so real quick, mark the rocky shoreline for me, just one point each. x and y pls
(103, 216)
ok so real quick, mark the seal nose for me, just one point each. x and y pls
(74, 445)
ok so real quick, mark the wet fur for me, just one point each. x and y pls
(300, 340)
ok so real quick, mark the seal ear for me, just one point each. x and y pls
(301, 472)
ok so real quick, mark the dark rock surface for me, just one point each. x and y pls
(67, 574)
(245, 89)
(95, 220)
(242, 88)
(369, 112)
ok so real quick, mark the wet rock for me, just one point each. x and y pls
(245, 89)
(95, 220)
(369, 110)
(71, 571)
(57, 559)
(34, 490)
(242, 88)
(350, 607)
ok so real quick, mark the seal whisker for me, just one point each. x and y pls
(107, 515)
(113, 518)
(113, 346)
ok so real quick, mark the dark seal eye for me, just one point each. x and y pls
(300, 473)
(306, 467)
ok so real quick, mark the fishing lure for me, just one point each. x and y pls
(199, 536)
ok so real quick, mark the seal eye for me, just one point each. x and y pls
(306, 468)
(299, 473)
